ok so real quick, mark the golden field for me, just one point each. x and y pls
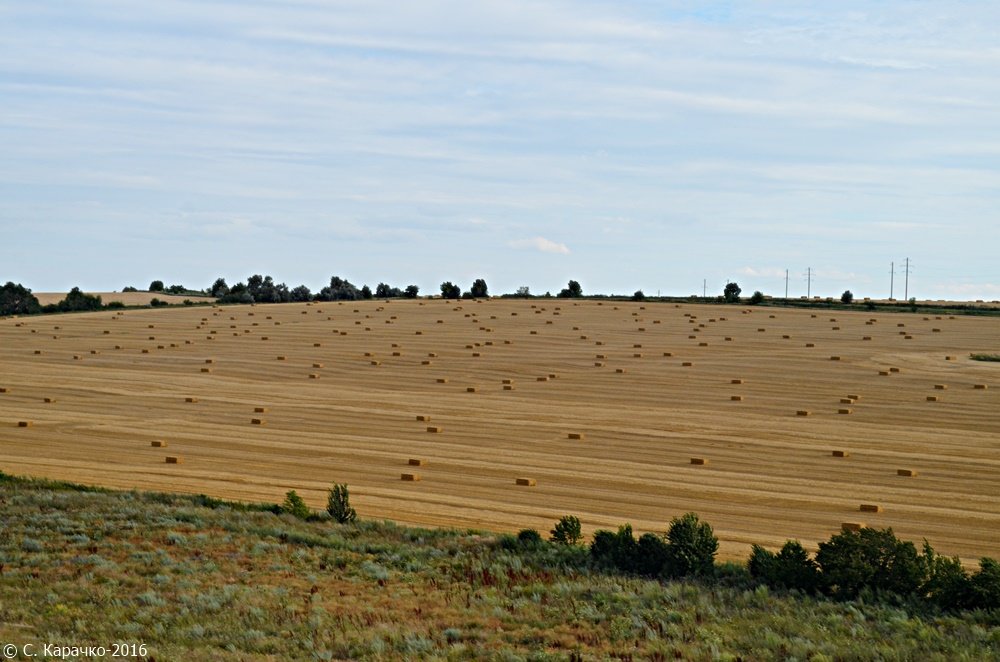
(343, 401)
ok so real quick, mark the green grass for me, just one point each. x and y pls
(985, 357)
(200, 579)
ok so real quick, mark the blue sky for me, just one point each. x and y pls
(623, 144)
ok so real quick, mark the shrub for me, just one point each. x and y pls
(129, 288)
(985, 585)
(651, 555)
(757, 298)
(529, 539)
(114, 305)
(338, 504)
(796, 569)
(566, 531)
(157, 303)
(731, 293)
(616, 550)
(873, 559)
(691, 547)
(847, 297)
(947, 585)
(294, 505)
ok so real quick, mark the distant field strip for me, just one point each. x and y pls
(598, 408)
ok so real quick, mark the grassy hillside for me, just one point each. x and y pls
(203, 580)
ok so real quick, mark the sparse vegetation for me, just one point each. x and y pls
(985, 357)
(199, 578)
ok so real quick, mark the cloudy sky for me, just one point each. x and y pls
(625, 144)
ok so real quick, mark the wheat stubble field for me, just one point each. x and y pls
(647, 387)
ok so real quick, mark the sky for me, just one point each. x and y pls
(645, 144)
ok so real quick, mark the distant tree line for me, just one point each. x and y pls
(15, 299)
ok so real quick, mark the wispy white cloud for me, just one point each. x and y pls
(540, 244)
(836, 134)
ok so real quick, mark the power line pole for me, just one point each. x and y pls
(704, 288)
(892, 278)
(786, 283)
(809, 282)
(906, 287)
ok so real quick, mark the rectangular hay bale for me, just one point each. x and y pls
(526, 482)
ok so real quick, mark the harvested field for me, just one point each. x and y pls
(771, 474)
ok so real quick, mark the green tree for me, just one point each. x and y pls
(638, 296)
(651, 555)
(985, 585)
(366, 292)
(295, 505)
(338, 504)
(847, 297)
(757, 298)
(616, 550)
(731, 293)
(567, 531)
(691, 547)
(874, 559)
(571, 291)
(300, 294)
(411, 291)
(156, 286)
(219, 288)
(78, 301)
(450, 291)
(948, 584)
(479, 289)
(18, 300)
(524, 292)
